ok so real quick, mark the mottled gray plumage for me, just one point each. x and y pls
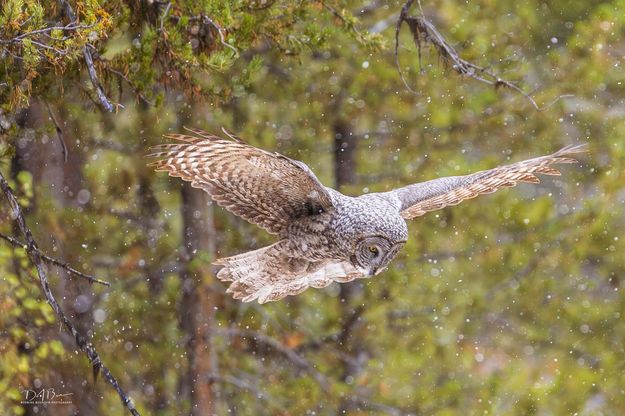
(325, 236)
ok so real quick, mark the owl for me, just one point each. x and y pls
(323, 236)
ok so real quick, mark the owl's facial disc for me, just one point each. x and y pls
(374, 253)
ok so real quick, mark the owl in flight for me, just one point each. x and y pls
(324, 236)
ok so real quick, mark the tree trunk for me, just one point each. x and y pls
(196, 307)
(344, 151)
(345, 173)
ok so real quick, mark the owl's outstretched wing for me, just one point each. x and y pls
(420, 198)
(264, 188)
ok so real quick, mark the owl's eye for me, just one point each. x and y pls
(374, 250)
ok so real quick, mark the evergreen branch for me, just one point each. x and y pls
(56, 262)
(83, 344)
(87, 54)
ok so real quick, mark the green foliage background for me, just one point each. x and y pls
(510, 304)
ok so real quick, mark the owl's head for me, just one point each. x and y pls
(373, 253)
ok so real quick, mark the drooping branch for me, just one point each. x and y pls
(56, 262)
(301, 363)
(288, 353)
(298, 361)
(83, 344)
(244, 385)
(424, 32)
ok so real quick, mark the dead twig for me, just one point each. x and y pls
(83, 344)
(424, 32)
(56, 262)
(59, 132)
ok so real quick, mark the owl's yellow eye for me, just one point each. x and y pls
(373, 249)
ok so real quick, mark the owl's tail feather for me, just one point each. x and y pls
(237, 267)
(268, 274)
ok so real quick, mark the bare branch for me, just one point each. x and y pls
(402, 18)
(58, 51)
(44, 31)
(104, 101)
(56, 262)
(424, 31)
(83, 344)
(94, 80)
(164, 15)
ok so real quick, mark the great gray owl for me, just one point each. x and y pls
(325, 236)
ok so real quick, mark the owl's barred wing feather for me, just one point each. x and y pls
(269, 274)
(420, 198)
(264, 188)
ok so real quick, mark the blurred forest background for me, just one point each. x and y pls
(510, 304)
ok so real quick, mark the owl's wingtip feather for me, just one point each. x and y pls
(572, 149)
